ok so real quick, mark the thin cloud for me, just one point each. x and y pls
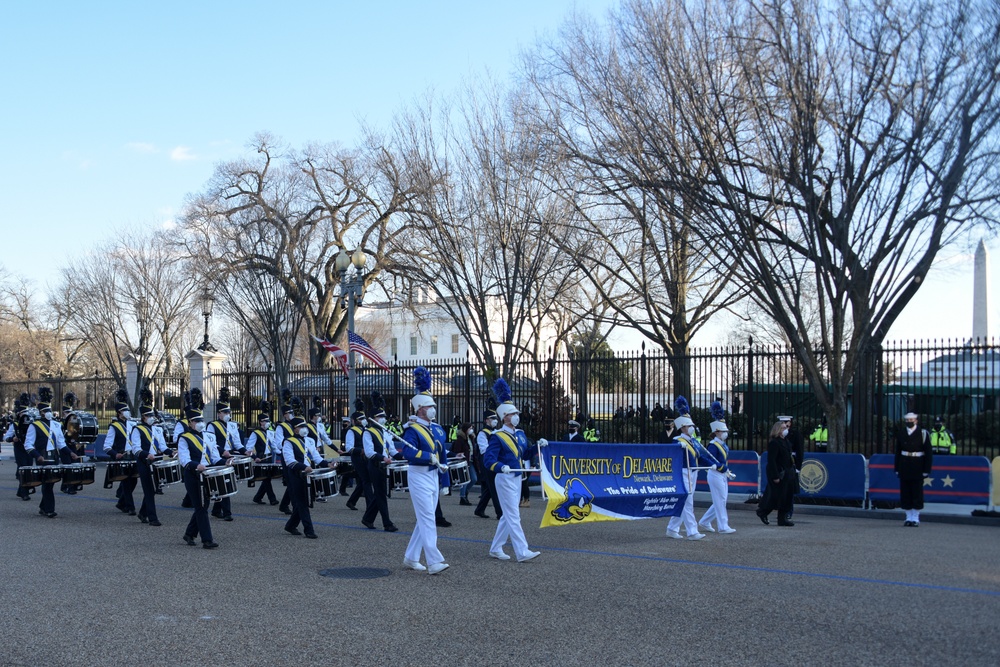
(141, 147)
(182, 153)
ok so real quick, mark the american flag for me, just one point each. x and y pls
(337, 352)
(358, 344)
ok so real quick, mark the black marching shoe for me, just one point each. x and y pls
(209, 545)
(481, 515)
(189, 540)
(442, 523)
(762, 517)
(274, 502)
(391, 528)
(154, 522)
(293, 531)
(368, 524)
(464, 501)
(142, 517)
(311, 536)
(351, 507)
(259, 502)
(786, 522)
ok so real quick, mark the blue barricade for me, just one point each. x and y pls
(840, 476)
(746, 467)
(954, 479)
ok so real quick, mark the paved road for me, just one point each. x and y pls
(96, 587)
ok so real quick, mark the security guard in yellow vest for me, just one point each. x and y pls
(591, 434)
(942, 440)
(820, 437)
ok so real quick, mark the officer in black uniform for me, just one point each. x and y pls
(574, 434)
(913, 462)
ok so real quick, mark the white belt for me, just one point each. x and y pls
(912, 453)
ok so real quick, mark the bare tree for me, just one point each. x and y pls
(845, 145)
(482, 246)
(29, 346)
(287, 214)
(610, 119)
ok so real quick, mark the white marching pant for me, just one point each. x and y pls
(509, 493)
(687, 515)
(718, 484)
(423, 482)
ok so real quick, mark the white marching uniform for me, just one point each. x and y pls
(500, 453)
(718, 484)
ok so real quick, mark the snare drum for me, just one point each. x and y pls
(345, 466)
(243, 465)
(52, 474)
(265, 471)
(219, 482)
(459, 471)
(78, 474)
(398, 475)
(29, 476)
(121, 470)
(323, 482)
(167, 471)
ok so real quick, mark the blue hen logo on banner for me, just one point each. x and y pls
(587, 482)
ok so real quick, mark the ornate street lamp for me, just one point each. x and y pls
(207, 304)
(351, 290)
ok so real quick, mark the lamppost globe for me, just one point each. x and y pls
(359, 259)
(207, 305)
(342, 262)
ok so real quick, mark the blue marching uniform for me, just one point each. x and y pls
(507, 448)
(424, 450)
(718, 485)
(695, 455)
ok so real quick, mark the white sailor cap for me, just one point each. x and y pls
(784, 418)
(910, 415)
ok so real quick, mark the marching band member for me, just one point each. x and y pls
(376, 457)
(71, 432)
(424, 448)
(44, 436)
(260, 444)
(507, 447)
(192, 399)
(284, 431)
(488, 490)
(227, 440)
(300, 456)
(195, 456)
(316, 430)
(718, 477)
(116, 447)
(145, 446)
(15, 434)
(354, 445)
(693, 453)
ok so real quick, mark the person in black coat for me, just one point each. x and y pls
(913, 463)
(780, 476)
(797, 444)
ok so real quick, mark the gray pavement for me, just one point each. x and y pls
(96, 587)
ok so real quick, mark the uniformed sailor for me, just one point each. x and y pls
(914, 458)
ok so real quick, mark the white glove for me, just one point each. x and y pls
(730, 474)
(505, 469)
(542, 442)
(435, 460)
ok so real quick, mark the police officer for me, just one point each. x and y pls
(821, 436)
(41, 442)
(914, 458)
(196, 455)
(300, 457)
(505, 452)
(424, 450)
(116, 447)
(145, 446)
(942, 440)
(591, 434)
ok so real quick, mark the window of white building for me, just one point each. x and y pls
(434, 344)
(454, 343)
(413, 346)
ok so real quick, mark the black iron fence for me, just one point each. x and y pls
(629, 395)
(95, 394)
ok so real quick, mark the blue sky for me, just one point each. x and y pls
(114, 111)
